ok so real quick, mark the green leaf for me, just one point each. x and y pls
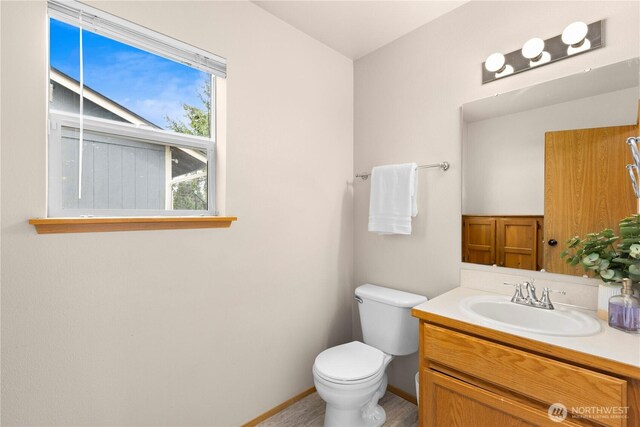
(607, 232)
(630, 240)
(624, 261)
(573, 242)
(607, 274)
(634, 269)
(590, 259)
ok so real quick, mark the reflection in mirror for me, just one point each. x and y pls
(545, 163)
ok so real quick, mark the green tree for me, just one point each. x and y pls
(192, 194)
(197, 118)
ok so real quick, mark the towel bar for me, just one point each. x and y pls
(444, 166)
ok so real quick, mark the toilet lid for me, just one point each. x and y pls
(349, 362)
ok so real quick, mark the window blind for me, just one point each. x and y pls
(97, 21)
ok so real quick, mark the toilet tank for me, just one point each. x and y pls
(385, 317)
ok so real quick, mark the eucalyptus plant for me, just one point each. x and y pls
(609, 256)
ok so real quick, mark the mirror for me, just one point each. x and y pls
(547, 162)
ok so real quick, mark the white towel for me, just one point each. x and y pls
(393, 198)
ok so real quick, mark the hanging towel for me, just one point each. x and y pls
(393, 198)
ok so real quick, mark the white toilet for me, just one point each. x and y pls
(351, 377)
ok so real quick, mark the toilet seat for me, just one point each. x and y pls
(353, 362)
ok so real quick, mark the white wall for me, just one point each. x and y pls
(407, 108)
(189, 327)
(503, 157)
(214, 327)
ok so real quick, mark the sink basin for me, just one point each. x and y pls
(498, 310)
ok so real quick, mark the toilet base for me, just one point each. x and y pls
(369, 415)
(337, 417)
(373, 415)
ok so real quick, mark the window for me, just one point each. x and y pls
(131, 118)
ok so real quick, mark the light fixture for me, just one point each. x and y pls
(534, 51)
(575, 35)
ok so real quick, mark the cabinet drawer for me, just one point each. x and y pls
(545, 380)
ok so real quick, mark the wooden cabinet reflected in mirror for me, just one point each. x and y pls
(508, 241)
(545, 163)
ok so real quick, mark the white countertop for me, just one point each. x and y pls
(609, 343)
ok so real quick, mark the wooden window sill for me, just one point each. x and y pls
(94, 224)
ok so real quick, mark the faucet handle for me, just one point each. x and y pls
(512, 284)
(518, 286)
(547, 291)
(517, 296)
(545, 301)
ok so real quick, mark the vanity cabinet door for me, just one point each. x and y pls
(454, 403)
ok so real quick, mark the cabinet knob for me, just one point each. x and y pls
(553, 242)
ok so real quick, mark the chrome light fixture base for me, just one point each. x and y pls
(554, 50)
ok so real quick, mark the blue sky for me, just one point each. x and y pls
(147, 84)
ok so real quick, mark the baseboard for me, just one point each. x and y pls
(280, 407)
(271, 412)
(403, 394)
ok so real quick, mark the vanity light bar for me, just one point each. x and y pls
(554, 49)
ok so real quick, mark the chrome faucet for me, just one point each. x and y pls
(531, 299)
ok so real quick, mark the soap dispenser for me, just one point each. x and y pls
(624, 309)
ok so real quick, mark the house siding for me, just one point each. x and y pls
(117, 173)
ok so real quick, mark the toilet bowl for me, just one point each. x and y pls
(351, 379)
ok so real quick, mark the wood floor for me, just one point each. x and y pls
(309, 412)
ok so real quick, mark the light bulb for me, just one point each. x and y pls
(575, 36)
(533, 49)
(575, 33)
(495, 63)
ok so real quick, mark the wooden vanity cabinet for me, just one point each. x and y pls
(507, 241)
(472, 376)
